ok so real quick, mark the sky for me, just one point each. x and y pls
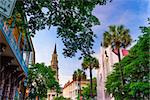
(130, 13)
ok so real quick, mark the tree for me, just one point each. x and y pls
(136, 68)
(79, 75)
(90, 63)
(60, 98)
(86, 90)
(40, 79)
(73, 18)
(117, 37)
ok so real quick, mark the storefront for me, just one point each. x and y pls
(16, 52)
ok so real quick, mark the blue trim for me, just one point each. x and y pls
(13, 45)
(19, 40)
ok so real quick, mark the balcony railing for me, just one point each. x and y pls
(7, 32)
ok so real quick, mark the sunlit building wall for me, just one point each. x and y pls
(108, 58)
(71, 89)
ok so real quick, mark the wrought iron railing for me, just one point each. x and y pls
(13, 45)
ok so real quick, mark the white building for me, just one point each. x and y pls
(107, 59)
(71, 89)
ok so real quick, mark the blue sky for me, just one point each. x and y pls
(130, 13)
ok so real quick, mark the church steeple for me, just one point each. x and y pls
(55, 50)
(54, 63)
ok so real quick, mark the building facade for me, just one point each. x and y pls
(16, 52)
(108, 58)
(71, 89)
(54, 65)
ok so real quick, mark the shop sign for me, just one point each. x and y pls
(6, 7)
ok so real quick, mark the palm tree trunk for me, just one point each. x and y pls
(79, 89)
(121, 70)
(91, 84)
(119, 56)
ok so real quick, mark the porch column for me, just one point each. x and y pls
(12, 92)
(7, 89)
(12, 89)
(2, 82)
(1, 88)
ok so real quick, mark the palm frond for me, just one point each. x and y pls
(90, 61)
(117, 37)
(106, 39)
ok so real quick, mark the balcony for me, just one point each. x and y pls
(17, 49)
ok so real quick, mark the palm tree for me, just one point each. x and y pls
(117, 37)
(90, 62)
(79, 75)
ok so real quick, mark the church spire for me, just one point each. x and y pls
(54, 63)
(54, 66)
(55, 50)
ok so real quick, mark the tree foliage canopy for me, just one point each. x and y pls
(86, 90)
(136, 68)
(90, 61)
(60, 98)
(79, 75)
(40, 79)
(117, 37)
(73, 19)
